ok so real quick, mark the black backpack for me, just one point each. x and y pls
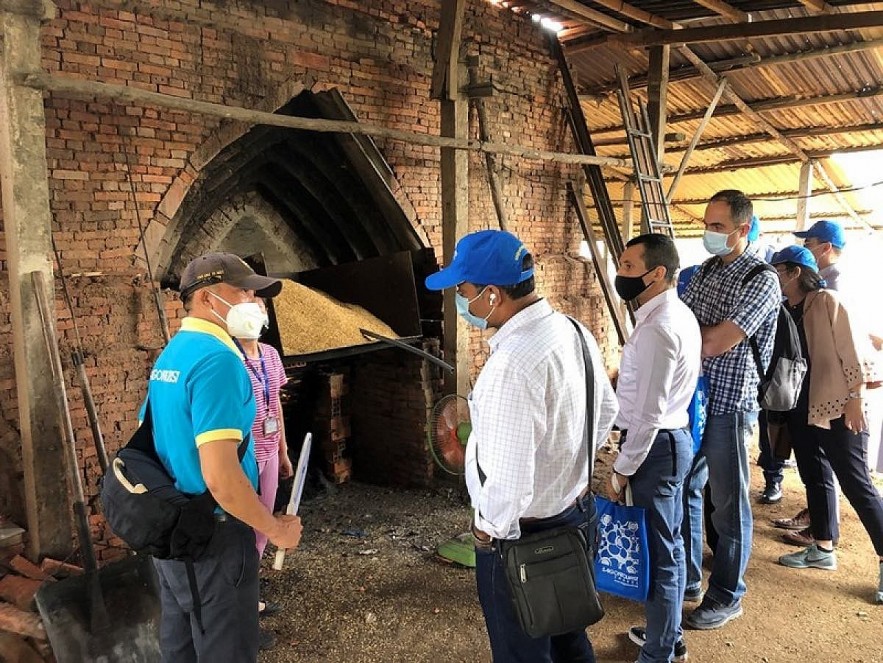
(779, 386)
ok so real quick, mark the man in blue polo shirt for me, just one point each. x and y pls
(202, 408)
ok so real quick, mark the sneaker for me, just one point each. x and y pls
(803, 538)
(879, 597)
(798, 522)
(693, 595)
(266, 640)
(811, 557)
(772, 494)
(638, 635)
(269, 608)
(711, 615)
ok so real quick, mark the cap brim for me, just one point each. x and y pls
(803, 234)
(445, 278)
(263, 286)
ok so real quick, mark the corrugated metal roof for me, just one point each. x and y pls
(809, 78)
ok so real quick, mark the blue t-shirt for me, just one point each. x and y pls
(200, 392)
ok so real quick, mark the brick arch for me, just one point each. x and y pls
(164, 230)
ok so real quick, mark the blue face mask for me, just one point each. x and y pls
(716, 243)
(463, 310)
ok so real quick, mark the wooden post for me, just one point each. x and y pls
(27, 224)
(657, 96)
(454, 181)
(490, 161)
(803, 192)
(628, 203)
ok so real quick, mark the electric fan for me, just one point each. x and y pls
(448, 433)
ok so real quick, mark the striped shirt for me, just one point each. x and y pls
(266, 446)
(528, 413)
(717, 294)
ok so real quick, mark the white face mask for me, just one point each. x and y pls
(245, 320)
(716, 243)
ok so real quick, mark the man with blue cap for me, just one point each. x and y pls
(528, 411)
(825, 240)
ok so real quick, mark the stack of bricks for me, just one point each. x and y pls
(332, 426)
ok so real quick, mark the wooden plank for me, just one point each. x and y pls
(818, 6)
(93, 89)
(730, 32)
(593, 15)
(725, 9)
(803, 193)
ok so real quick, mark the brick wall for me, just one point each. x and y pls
(378, 54)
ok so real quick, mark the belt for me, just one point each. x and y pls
(527, 521)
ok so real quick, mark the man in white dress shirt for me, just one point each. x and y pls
(657, 378)
(527, 459)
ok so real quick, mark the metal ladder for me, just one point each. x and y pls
(655, 216)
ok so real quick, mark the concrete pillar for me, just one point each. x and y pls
(27, 223)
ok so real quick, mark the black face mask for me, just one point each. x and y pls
(629, 287)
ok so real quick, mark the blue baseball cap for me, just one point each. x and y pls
(799, 255)
(754, 230)
(825, 231)
(486, 257)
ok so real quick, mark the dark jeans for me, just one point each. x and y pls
(773, 469)
(847, 454)
(509, 642)
(227, 581)
(816, 474)
(658, 486)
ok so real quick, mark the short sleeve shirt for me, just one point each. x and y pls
(717, 294)
(199, 392)
(266, 386)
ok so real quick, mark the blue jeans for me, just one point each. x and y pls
(658, 487)
(509, 642)
(723, 463)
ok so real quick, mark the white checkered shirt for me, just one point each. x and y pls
(528, 416)
(716, 294)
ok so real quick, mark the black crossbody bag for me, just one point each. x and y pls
(551, 573)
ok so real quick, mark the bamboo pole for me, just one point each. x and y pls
(66, 86)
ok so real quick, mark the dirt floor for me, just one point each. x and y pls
(365, 586)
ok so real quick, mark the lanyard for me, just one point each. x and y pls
(265, 381)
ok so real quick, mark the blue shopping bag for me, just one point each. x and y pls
(698, 411)
(622, 564)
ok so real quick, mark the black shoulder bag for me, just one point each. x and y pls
(551, 573)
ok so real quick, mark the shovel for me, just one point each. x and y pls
(111, 614)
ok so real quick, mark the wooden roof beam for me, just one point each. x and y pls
(732, 65)
(817, 6)
(764, 106)
(592, 15)
(632, 12)
(725, 9)
(730, 32)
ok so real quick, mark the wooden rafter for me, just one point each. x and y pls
(817, 6)
(765, 106)
(725, 9)
(592, 15)
(732, 65)
(632, 12)
(789, 26)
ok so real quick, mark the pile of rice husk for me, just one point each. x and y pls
(312, 321)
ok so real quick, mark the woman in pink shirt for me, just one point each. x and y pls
(267, 375)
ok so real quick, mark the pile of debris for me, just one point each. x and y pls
(22, 636)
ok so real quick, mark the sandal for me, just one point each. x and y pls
(798, 522)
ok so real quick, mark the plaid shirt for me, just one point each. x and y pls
(715, 294)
